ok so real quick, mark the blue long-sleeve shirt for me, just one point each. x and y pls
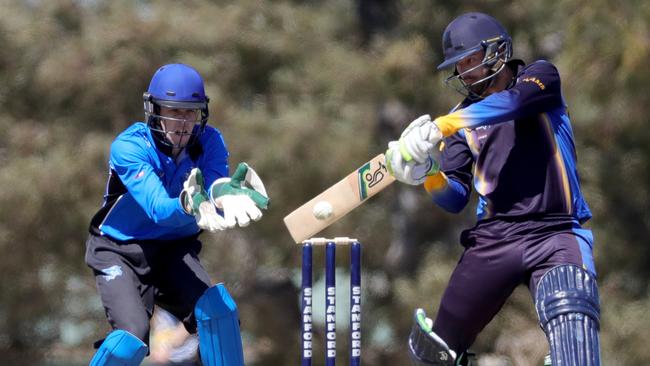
(141, 199)
(516, 148)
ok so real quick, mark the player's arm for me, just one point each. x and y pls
(537, 90)
(214, 160)
(451, 188)
(239, 197)
(132, 164)
(244, 180)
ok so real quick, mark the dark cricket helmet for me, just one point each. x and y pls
(471, 32)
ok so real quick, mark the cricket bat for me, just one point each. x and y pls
(339, 199)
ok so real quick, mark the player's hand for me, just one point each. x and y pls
(419, 139)
(411, 172)
(194, 200)
(238, 209)
(241, 196)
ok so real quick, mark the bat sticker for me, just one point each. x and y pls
(368, 179)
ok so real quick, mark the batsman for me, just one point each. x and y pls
(510, 139)
(167, 182)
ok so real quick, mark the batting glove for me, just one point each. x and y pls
(411, 172)
(419, 139)
(194, 200)
(240, 197)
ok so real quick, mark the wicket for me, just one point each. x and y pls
(330, 299)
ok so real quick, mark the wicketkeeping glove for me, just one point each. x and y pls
(239, 203)
(411, 172)
(194, 200)
(419, 139)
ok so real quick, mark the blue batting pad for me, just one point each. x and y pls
(120, 348)
(569, 312)
(218, 322)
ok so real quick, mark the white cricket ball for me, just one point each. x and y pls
(323, 210)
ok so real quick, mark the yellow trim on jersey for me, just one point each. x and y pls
(480, 183)
(559, 161)
(472, 143)
(449, 123)
(435, 182)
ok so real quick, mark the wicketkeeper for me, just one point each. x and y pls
(167, 182)
(510, 139)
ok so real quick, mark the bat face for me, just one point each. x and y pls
(339, 199)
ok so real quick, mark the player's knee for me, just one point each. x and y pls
(215, 302)
(138, 327)
(218, 323)
(120, 348)
(569, 312)
(567, 289)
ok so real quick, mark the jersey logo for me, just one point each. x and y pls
(112, 272)
(535, 81)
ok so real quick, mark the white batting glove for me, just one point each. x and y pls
(194, 200)
(411, 172)
(419, 139)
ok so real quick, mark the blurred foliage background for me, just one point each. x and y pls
(305, 91)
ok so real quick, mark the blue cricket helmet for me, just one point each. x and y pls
(176, 86)
(469, 33)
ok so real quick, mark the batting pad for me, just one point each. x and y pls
(218, 322)
(120, 348)
(568, 306)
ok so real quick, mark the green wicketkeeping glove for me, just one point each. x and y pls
(239, 203)
(194, 200)
(237, 185)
